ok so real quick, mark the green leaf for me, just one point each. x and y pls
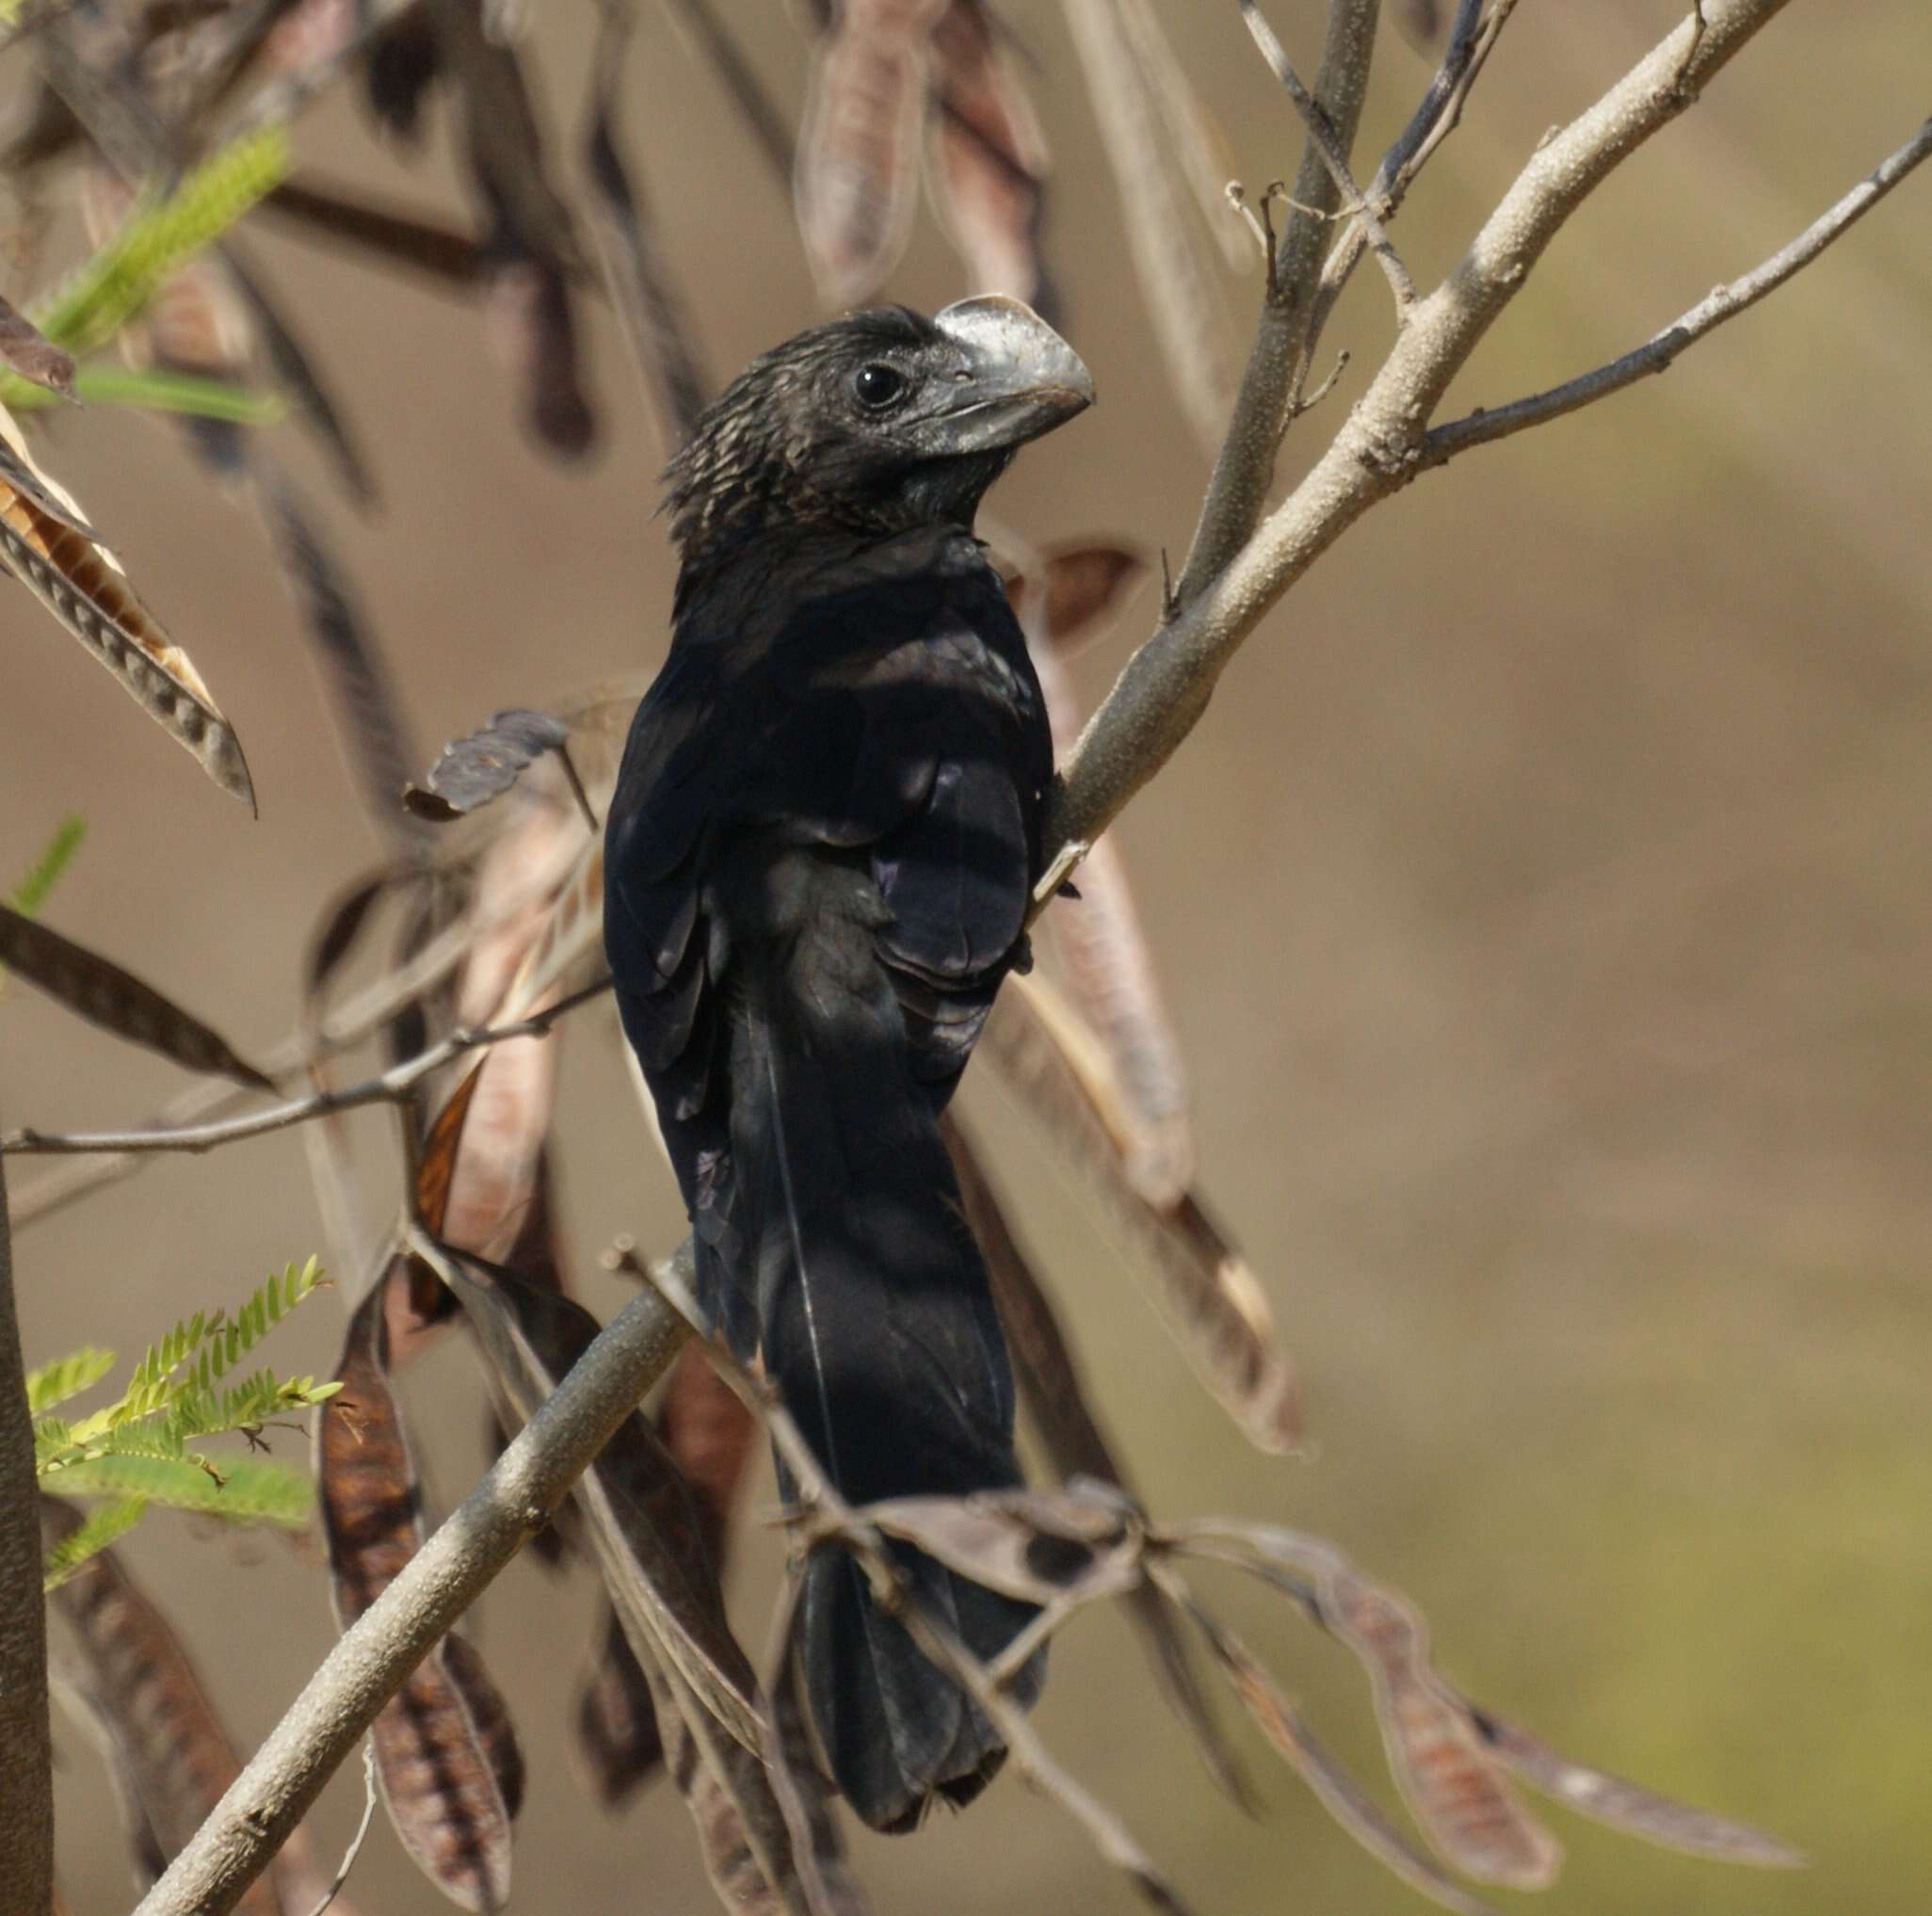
(158, 238)
(156, 390)
(100, 1529)
(163, 1410)
(67, 1376)
(245, 1490)
(30, 894)
(44, 872)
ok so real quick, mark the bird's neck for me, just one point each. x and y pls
(748, 560)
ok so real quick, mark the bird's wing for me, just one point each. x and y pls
(898, 713)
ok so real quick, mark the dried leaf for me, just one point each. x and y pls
(1098, 934)
(617, 1722)
(527, 225)
(1110, 973)
(1055, 1395)
(1420, 22)
(100, 991)
(296, 376)
(484, 764)
(343, 924)
(741, 1826)
(61, 561)
(436, 1166)
(1451, 1779)
(1192, 143)
(511, 1094)
(440, 1742)
(1040, 1546)
(711, 1437)
(1177, 280)
(656, 323)
(369, 721)
(33, 357)
(572, 934)
(490, 1716)
(988, 161)
(1085, 582)
(388, 234)
(174, 1752)
(1337, 1791)
(400, 62)
(643, 1522)
(856, 168)
(1620, 1804)
(1213, 1304)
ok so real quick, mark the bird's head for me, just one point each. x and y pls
(878, 421)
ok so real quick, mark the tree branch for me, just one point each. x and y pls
(1471, 40)
(1165, 687)
(1658, 352)
(1238, 491)
(349, 1024)
(26, 1750)
(391, 1087)
(376, 1654)
(1333, 157)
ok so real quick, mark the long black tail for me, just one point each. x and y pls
(877, 1322)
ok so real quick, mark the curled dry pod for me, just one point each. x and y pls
(166, 1742)
(100, 991)
(32, 355)
(1055, 1395)
(989, 159)
(1208, 1295)
(856, 171)
(59, 559)
(445, 1756)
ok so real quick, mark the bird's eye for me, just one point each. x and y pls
(878, 387)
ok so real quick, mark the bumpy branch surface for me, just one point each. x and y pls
(376, 1654)
(27, 1753)
(1165, 687)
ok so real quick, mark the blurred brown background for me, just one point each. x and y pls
(1543, 904)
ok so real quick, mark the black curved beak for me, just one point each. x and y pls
(1018, 378)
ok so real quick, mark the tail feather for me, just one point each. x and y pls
(875, 1320)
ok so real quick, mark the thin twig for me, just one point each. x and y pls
(1322, 135)
(349, 1024)
(391, 1087)
(1471, 39)
(355, 1848)
(1237, 492)
(1659, 351)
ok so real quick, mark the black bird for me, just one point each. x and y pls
(818, 862)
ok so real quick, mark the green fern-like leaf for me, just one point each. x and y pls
(163, 1410)
(100, 1528)
(67, 1376)
(245, 1490)
(158, 238)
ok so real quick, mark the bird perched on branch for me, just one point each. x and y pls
(825, 836)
